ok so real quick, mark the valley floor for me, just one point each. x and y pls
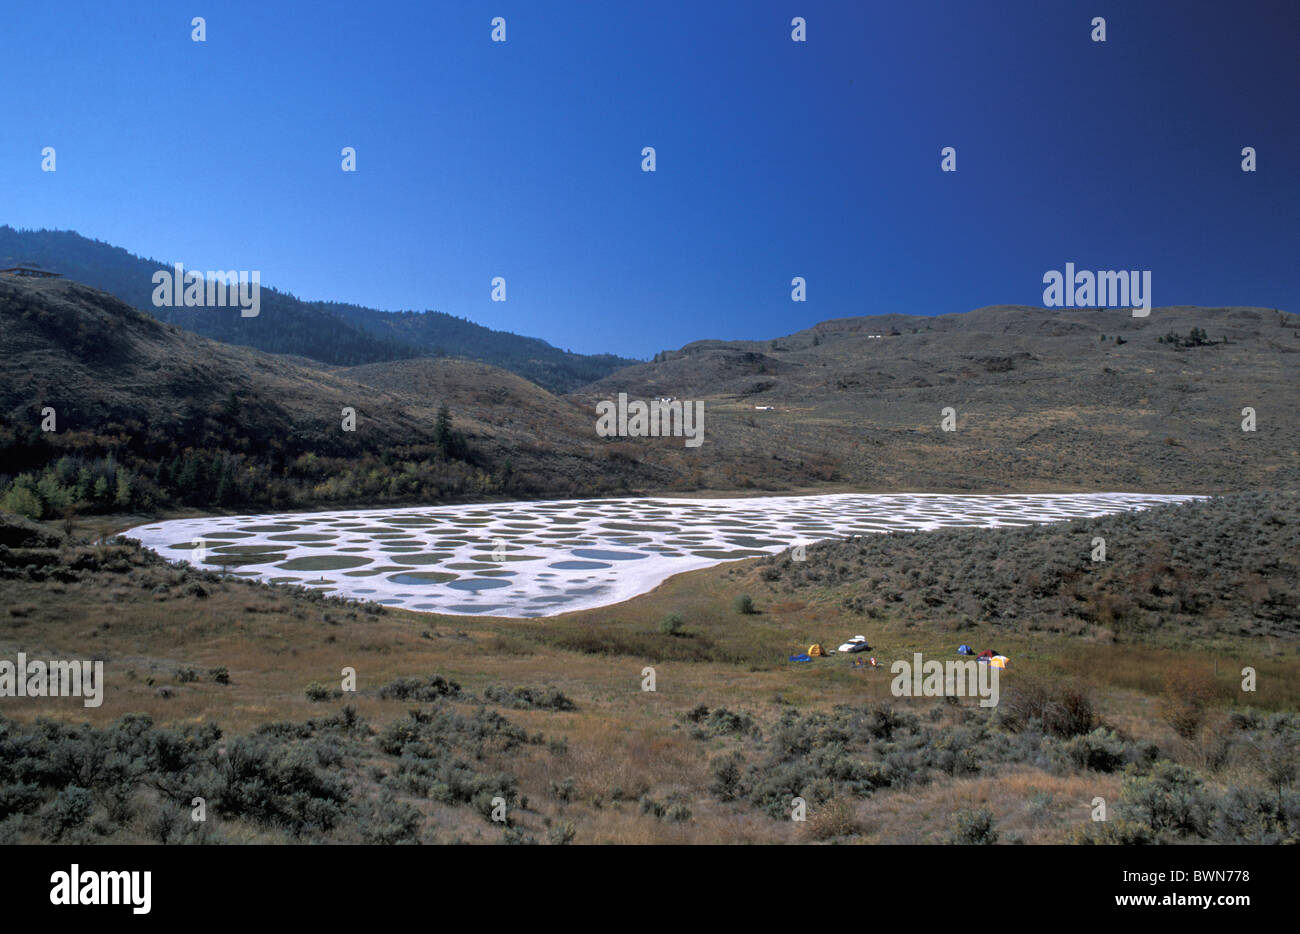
(232, 691)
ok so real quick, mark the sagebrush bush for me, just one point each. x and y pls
(389, 821)
(1171, 800)
(1102, 750)
(835, 818)
(726, 772)
(69, 811)
(430, 688)
(974, 826)
(1118, 832)
(278, 785)
(526, 698)
(671, 624)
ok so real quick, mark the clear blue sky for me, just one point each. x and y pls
(775, 158)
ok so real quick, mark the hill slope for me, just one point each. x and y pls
(1228, 565)
(1043, 398)
(329, 332)
(194, 421)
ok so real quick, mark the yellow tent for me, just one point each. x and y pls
(999, 661)
(816, 649)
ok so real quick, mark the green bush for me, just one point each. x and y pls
(390, 821)
(526, 698)
(744, 604)
(726, 772)
(1118, 832)
(974, 826)
(1170, 800)
(280, 786)
(561, 835)
(1257, 816)
(430, 688)
(69, 810)
(22, 499)
(718, 722)
(671, 624)
(1102, 750)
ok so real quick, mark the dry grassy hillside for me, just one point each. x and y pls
(549, 440)
(1177, 574)
(1042, 401)
(106, 368)
(177, 419)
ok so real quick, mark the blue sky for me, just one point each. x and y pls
(775, 159)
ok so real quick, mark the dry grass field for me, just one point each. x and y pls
(714, 754)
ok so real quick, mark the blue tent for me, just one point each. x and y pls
(965, 650)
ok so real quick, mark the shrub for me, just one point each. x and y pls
(317, 692)
(430, 688)
(69, 809)
(564, 790)
(23, 500)
(726, 772)
(220, 675)
(526, 698)
(279, 786)
(1118, 832)
(1183, 706)
(561, 835)
(671, 624)
(1102, 750)
(1061, 709)
(677, 813)
(1255, 816)
(744, 604)
(649, 805)
(835, 818)
(974, 826)
(1170, 800)
(391, 822)
(719, 722)
(19, 798)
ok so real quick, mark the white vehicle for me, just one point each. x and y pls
(856, 644)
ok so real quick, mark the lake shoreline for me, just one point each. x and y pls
(537, 558)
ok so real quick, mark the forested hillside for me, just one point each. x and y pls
(328, 332)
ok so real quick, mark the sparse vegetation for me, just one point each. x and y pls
(1170, 574)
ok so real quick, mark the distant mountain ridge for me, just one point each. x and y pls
(328, 332)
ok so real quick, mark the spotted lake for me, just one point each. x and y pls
(534, 559)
